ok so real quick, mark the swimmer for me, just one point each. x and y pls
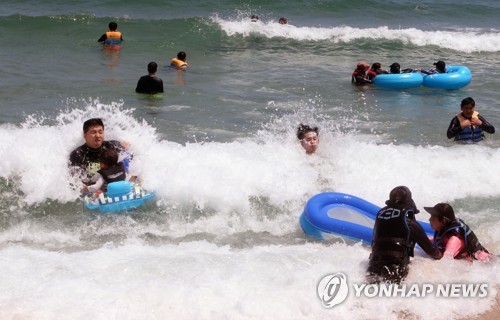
(283, 20)
(468, 126)
(150, 83)
(112, 37)
(308, 137)
(180, 61)
(453, 237)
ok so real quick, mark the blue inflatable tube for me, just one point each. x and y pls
(331, 214)
(121, 195)
(456, 77)
(399, 80)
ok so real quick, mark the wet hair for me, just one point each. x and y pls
(254, 17)
(181, 56)
(303, 129)
(92, 123)
(376, 66)
(401, 197)
(283, 20)
(467, 101)
(113, 26)
(109, 157)
(152, 67)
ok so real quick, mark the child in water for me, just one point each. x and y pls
(111, 171)
(308, 137)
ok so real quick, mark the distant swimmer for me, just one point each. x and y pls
(150, 83)
(308, 137)
(254, 18)
(453, 237)
(180, 61)
(359, 76)
(283, 20)
(395, 68)
(113, 38)
(440, 68)
(468, 126)
(375, 70)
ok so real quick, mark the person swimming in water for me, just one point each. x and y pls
(359, 76)
(308, 137)
(453, 237)
(113, 37)
(179, 62)
(395, 234)
(468, 126)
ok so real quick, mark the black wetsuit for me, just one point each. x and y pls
(149, 84)
(394, 237)
(84, 160)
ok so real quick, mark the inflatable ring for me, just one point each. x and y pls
(456, 77)
(399, 80)
(331, 214)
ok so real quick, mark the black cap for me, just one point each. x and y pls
(441, 210)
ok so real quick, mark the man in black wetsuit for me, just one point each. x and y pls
(394, 236)
(150, 83)
(84, 160)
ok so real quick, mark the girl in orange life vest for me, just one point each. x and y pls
(112, 37)
(468, 126)
(375, 71)
(359, 75)
(179, 62)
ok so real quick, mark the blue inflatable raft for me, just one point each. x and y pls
(332, 214)
(399, 80)
(121, 195)
(456, 77)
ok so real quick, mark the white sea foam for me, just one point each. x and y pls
(465, 40)
(199, 280)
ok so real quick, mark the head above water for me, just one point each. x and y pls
(468, 102)
(93, 133)
(254, 18)
(376, 66)
(109, 158)
(443, 211)
(308, 137)
(401, 197)
(92, 123)
(395, 68)
(283, 20)
(440, 66)
(362, 66)
(152, 67)
(113, 26)
(181, 56)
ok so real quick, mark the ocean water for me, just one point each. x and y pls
(222, 240)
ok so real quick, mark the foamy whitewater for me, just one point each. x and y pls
(222, 238)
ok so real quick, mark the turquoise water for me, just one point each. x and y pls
(219, 150)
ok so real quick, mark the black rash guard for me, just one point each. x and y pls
(84, 160)
(149, 84)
